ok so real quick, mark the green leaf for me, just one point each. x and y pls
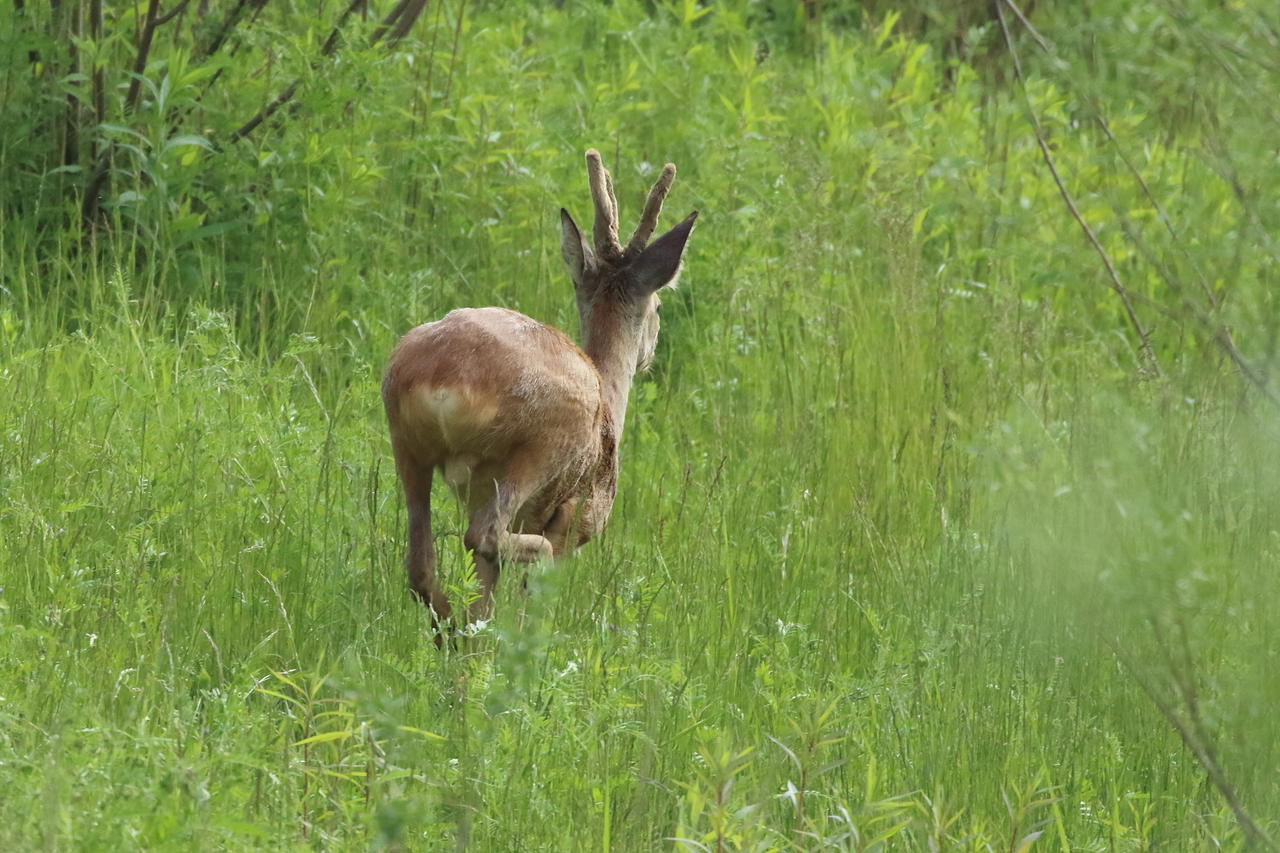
(187, 139)
(426, 734)
(324, 737)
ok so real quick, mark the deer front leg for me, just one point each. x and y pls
(524, 548)
(492, 546)
(569, 525)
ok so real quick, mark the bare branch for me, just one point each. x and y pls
(453, 57)
(152, 22)
(1191, 729)
(33, 55)
(1216, 330)
(71, 136)
(102, 156)
(330, 45)
(257, 6)
(99, 72)
(266, 112)
(140, 56)
(1144, 340)
(1035, 34)
(389, 21)
(228, 24)
(1160, 212)
(652, 210)
(605, 229)
(172, 13)
(407, 19)
(398, 21)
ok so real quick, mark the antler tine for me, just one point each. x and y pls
(605, 229)
(613, 201)
(652, 209)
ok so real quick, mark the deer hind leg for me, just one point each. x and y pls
(420, 562)
(490, 542)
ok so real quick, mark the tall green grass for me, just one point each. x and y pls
(910, 551)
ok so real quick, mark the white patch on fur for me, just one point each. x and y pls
(456, 413)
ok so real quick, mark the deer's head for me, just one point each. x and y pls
(616, 286)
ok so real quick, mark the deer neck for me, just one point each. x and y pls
(613, 346)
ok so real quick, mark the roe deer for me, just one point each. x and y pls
(522, 423)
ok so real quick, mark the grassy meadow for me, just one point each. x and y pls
(924, 540)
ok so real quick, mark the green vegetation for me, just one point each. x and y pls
(915, 546)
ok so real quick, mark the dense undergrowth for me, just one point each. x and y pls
(916, 547)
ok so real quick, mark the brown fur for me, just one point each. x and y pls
(523, 424)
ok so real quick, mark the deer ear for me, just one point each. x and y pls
(575, 251)
(658, 264)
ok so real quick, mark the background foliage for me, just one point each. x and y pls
(915, 548)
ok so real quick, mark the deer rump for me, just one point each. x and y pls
(482, 388)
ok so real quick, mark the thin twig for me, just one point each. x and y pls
(404, 15)
(1035, 34)
(399, 21)
(140, 55)
(1194, 735)
(228, 24)
(329, 47)
(266, 112)
(423, 97)
(71, 122)
(33, 55)
(453, 57)
(1156, 206)
(102, 167)
(1217, 331)
(386, 23)
(172, 13)
(406, 22)
(1143, 337)
(331, 43)
(99, 70)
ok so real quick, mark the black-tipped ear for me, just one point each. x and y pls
(658, 264)
(577, 255)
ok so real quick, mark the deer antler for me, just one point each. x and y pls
(652, 209)
(605, 229)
